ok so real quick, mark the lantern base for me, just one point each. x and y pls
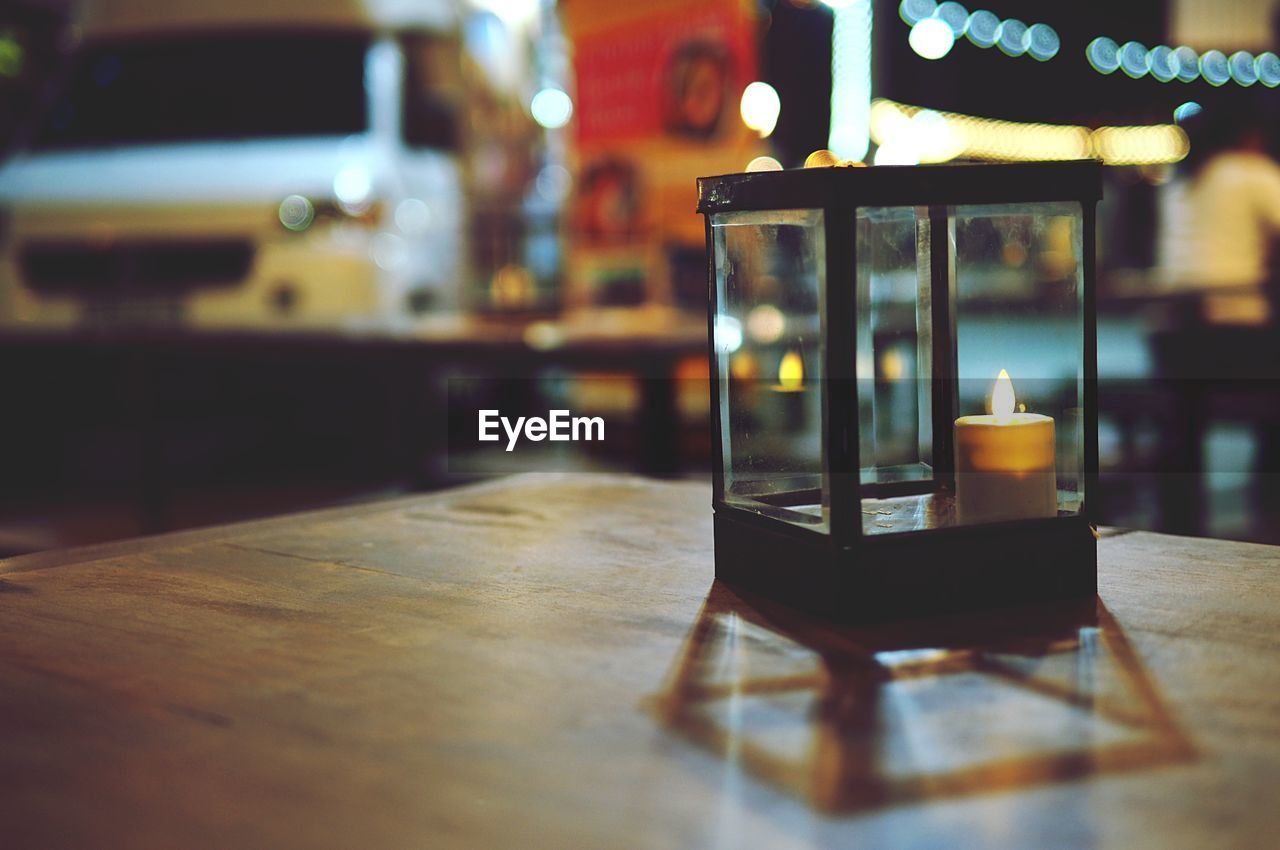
(909, 575)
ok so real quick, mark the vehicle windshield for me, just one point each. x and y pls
(223, 86)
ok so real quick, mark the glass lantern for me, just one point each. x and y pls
(904, 384)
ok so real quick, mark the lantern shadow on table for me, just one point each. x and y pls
(851, 719)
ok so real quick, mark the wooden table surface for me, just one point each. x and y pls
(545, 662)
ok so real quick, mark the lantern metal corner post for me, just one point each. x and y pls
(999, 254)
(717, 459)
(841, 464)
(1089, 235)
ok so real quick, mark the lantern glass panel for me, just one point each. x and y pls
(769, 274)
(894, 335)
(1012, 300)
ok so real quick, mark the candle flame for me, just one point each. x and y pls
(1002, 398)
(791, 371)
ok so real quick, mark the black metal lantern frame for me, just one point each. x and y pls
(799, 281)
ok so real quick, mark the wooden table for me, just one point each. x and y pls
(545, 662)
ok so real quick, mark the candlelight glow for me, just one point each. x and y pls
(1002, 400)
(791, 371)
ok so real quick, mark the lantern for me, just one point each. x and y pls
(904, 384)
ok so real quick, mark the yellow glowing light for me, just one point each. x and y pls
(764, 163)
(1140, 145)
(791, 371)
(893, 366)
(943, 136)
(1002, 398)
(822, 158)
(743, 367)
(760, 107)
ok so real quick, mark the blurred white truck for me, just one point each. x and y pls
(241, 164)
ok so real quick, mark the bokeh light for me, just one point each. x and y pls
(1188, 63)
(553, 183)
(931, 38)
(1214, 68)
(764, 163)
(982, 28)
(760, 107)
(895, 153)
(766, 324)
(1042, 42)
(11, 54)
(1140, 145)
(1268, 65)
(551, 108)
(915, 11)
(849, 135)
(1242, 68)
(1182, 63)
(953, 15)
(1011, 37)
(1103, 54)
(1164, 65)
(412, 216)
(821, 158)
(728, 334)
(908, 134)
(1134, 59)
(352, 186)
(296, 213)
(1186, 110)
(388, 251)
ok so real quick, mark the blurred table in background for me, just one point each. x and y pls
(141, 414)
(545, 662)
(1171, 386)
(134, 430)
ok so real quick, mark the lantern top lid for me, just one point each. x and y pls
(902, 185)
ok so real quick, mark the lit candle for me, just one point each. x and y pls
(1005, 465)
(790, 373)
(791, 386)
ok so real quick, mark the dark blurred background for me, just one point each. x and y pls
(259, 257)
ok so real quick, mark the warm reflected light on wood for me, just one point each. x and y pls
(1007, 701)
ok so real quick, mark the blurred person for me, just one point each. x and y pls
(1219, 224)
(1219, 217)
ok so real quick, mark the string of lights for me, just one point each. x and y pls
(908, 135)
(1183, 63)
(935, 27)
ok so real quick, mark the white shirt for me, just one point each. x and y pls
(1216, 229)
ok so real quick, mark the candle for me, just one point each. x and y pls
(791, 385)
(1005, 462)
(790, 373)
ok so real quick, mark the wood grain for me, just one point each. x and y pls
(544, 662)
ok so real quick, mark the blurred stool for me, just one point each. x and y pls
(1214, 373)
